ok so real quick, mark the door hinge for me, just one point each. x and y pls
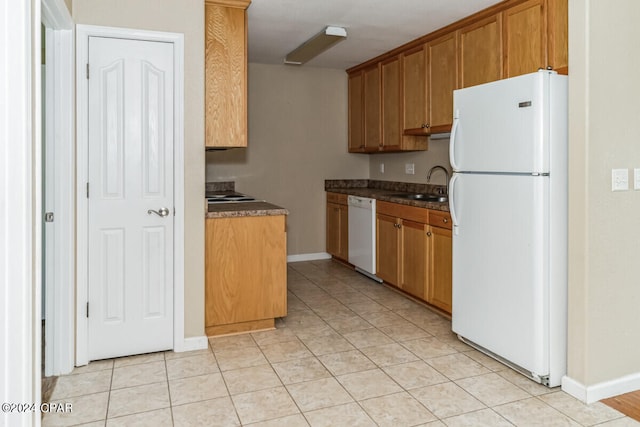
(87, 190)
(87, 309)
(48, 217)
(87, 71)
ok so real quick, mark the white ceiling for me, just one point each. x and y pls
(276, 27)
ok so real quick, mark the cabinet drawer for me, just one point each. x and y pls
(397, 210)
(338, 198)
(440, 219)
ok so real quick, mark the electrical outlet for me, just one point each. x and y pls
(409, 168)
(619, 179)
(381, 167)
(636, 179)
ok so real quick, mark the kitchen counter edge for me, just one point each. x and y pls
(243, 209)
(387, 196)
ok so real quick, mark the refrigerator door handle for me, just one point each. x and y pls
(452, 208)
(452, 143)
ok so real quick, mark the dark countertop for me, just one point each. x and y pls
(384, 190)
(257, 208)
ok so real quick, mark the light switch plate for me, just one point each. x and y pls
(636, 179)
(410, 168)
(619, 179)
(381, 167)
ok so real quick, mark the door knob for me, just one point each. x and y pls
(162, 212)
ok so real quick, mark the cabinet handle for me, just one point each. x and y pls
(429, 233)
(445, 220)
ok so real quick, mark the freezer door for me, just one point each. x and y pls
(502, 126)
(500, 267)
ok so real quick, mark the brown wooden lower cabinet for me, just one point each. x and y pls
(387, 247)
(414, 251)
(337, 227)
(439, 293)
(245, 273)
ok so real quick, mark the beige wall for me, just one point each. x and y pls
(394, 164)
(604, 231)
(187, 17)
(69, 4)
(297, 139)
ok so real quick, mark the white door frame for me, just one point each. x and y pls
(59, 132)
(20, 190)
(83, 32)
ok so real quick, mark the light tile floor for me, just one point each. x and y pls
(350, 353)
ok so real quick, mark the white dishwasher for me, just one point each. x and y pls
(362, 235)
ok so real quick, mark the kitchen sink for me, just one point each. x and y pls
(440, 198)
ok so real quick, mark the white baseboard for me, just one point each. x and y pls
(308, 257)
(603, 390)
(193, 343)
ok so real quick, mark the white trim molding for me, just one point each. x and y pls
(603, 390)
(308, 257)
(55, 15)
(59, 137)
(83, 32)
(20, 195)
(194, 343)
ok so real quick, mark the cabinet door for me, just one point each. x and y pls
(440, 263)
(356, 112)
(245, 269)
(414, 260)
(391, 107)
(557, 33)
(225, 76)
(524, 38)
(414, 88)
(343, 252)
(443, 78)
(481, 52)
(333, 229)
(372, 123)
(387, 249)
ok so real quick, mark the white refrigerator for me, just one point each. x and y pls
(508, 203)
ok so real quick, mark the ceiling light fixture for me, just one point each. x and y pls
(315, 45)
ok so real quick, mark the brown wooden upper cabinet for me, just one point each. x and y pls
(557, 35)
(364, 110)
(376, 107)
(406, 94)
(443, 79)
(372, 109)
(226, 73)
(391, 104)
(356, 112)
(481, 51)
(414, 90)
(525, 36)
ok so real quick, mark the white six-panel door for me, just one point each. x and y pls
(130, 259)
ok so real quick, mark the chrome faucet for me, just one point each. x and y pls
(446, 174)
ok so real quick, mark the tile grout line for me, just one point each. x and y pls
(166, 374)
(378, 367)
(313, 275)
